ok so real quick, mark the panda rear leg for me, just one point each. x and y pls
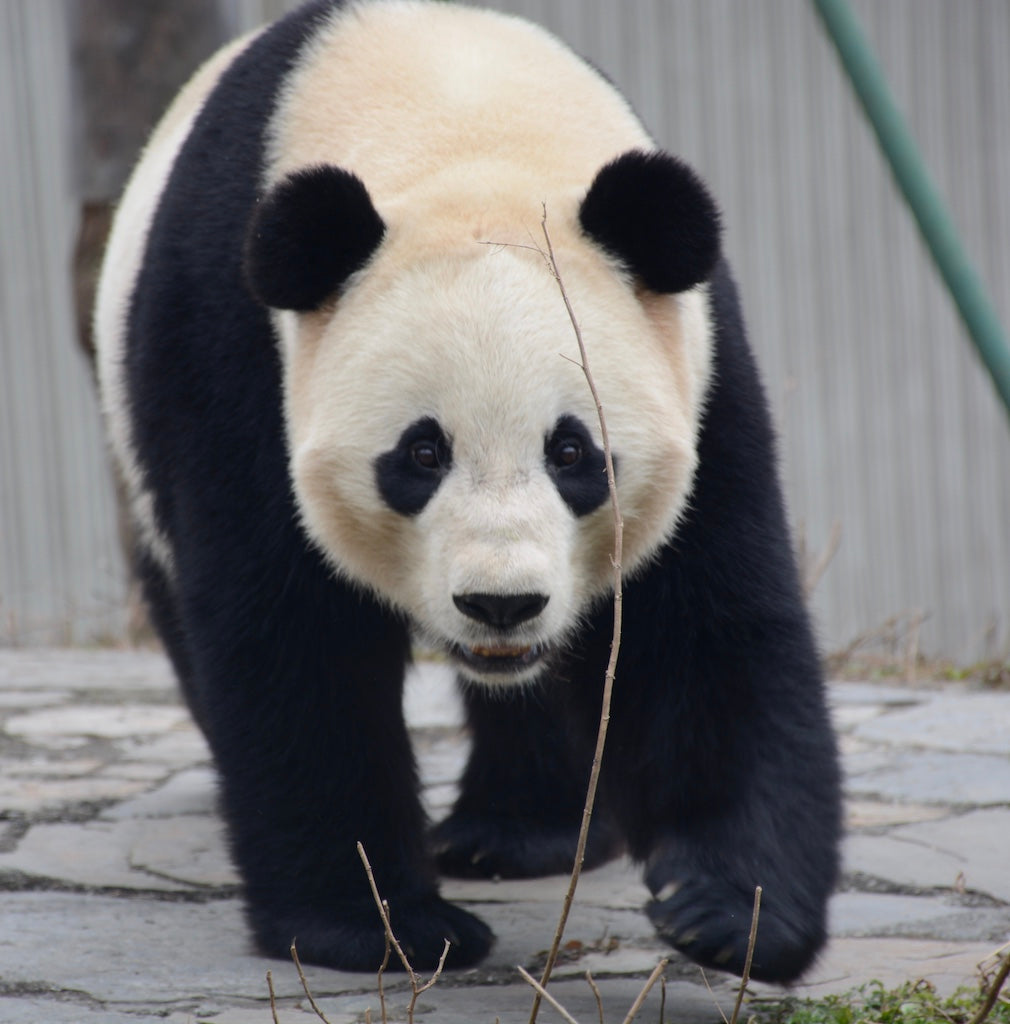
(522, 794)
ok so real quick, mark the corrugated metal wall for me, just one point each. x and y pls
(889, 426)
(61, 573)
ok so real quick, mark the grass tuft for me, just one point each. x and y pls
(915, 1002)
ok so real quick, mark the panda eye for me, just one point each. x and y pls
(409, 474)
(566, 452)
(576, 465)
(427, 454)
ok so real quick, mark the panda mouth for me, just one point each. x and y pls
(500, 658)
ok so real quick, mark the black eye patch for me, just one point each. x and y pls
(577, 466)
(409, 474)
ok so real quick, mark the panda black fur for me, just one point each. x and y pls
(397, 445)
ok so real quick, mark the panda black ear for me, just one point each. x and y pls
(652, 212)
(308, 235)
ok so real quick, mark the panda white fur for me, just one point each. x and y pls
(343, 390)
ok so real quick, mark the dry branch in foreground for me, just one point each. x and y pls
(615, 644)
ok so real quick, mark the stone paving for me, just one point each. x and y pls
(118, 903)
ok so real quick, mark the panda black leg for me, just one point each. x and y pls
(752, 799)
(520, 807)
(300, 684)
(729, 783)
(721, 763)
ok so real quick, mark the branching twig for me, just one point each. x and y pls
(615, 644)
(416, 987)
(752, 939)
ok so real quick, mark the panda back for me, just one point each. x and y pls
(173, 310)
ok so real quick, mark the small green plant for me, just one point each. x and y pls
(915, 1002)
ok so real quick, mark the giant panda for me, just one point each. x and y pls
(343, 390)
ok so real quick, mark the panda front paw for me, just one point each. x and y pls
(353, 939)
(709, 921)
(469, 846)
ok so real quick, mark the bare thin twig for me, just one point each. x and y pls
(662, 999)
(812, 573)
(912, 646)
(384, 914)
(888, 634)
(416, 990)
(752, 939)
(657, 972)
(544, 994)
(380, 976)
(273, 998)
(704, 978)
(438, 970)
(615, 644)
(596, 992)
(305, 985)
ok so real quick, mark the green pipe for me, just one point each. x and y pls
(910, 172)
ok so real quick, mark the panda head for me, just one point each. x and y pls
(444, 445)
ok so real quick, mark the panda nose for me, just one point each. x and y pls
(500, 610)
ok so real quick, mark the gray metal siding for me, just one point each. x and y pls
(61, 572)
(889, 426)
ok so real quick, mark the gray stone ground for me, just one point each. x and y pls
(118, 903)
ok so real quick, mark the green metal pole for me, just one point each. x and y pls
(910, 172)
